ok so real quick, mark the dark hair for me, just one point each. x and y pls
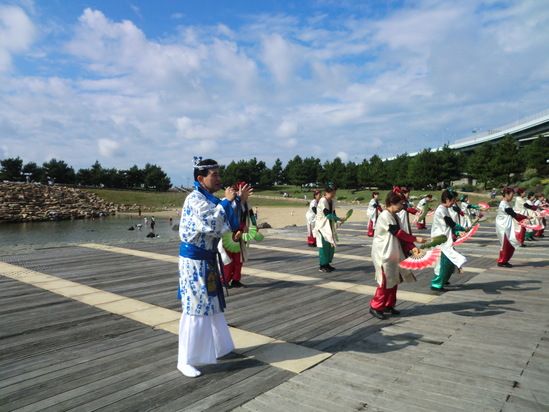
(375, 193)
(447, 195)
(393, 199)
(506, 191)
(204, 172)
(330, 187)
(429, 195)
(530, 194)
(520, 190)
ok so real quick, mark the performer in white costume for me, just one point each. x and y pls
(520, 208)
(203, 332)
(310, 216)
(403, 215)
(443, 224)
(325, 228)
(423, 208)
(469, 211)
(505, 229)
(389, 247)
(373, 211)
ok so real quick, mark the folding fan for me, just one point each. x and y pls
(424, 212)
(230, 244)
(531, 227)
(421, 260)
(252, 234)
(470, 233)
(434, 241)
(484, 206)
(431, 213)
(348, 215)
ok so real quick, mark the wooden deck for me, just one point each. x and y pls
(94, 327)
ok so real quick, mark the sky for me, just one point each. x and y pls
(131, 82)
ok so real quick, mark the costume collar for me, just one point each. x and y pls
(208, 195)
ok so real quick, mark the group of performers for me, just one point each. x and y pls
(393, 240)
(203, 331)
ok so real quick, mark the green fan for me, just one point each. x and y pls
(230, 244)
(252, 234)
(348, 215)
(424, 213)
(435, 241)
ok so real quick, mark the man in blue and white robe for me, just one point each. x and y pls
(203, 332)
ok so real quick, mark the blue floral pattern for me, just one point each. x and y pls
(202, 224)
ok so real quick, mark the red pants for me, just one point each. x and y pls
(506, 252)
(370, 228)
(421, 225)
(233, 271)
(521, 234)
(311, 240)
(384, 297)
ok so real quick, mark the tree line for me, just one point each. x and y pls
(59, 172)
(491, 165)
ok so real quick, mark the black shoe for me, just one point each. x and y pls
(522, 245)
(505, 265)
(447, 283)
(330, 267)
(227, 285)
(377, 313)
(439, 289)
(324, 269)
(391, 310)
(311, 244)
(237, 284)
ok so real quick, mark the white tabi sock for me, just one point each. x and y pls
(189, 371)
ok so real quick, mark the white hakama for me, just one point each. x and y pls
(203, 339)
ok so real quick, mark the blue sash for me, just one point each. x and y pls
(215, 287)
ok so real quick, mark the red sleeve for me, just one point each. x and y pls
(406, 237)
(411, 210)
(520, 217)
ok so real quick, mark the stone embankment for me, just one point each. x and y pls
(28, 202)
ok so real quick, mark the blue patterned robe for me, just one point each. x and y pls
(204, 219)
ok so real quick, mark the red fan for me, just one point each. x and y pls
(544, 212)
(531, 227)
(468, 235)
(431, 213)
(422, 260)
(484, 206)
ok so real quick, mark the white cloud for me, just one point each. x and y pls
(17, 32)
(287, 128)
(109, 148)
(189, 129)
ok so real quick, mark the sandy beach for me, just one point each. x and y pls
(277, 217)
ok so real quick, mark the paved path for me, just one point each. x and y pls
(93, 327)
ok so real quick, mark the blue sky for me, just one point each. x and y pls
(136, 82)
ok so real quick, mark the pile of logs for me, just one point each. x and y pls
(29, 202)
